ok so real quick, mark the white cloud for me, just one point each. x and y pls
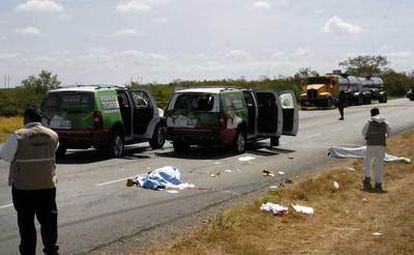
(261, 5)
(338, 25)
(134, 6)
(125, 32)
(9, 55)
(302, 51)
(28, 31)
(139, 5)
(39, 6)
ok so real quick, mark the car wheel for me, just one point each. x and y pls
(116, 146)
(61, 150)
(240, 142)
(274, 141)
(180, 146)
(158, 138)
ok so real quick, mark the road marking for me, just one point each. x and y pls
(5, 206)
(114, 181)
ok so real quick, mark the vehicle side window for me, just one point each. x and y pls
(233, 102)
(287, 101)
(141, 99)
(123, 100)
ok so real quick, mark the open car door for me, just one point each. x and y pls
(270, 117)
(143, 111)
(290, 112)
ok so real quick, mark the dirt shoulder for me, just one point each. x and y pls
(344, 221)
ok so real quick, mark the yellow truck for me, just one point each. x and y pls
(322, 91)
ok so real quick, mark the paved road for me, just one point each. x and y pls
(96, 209)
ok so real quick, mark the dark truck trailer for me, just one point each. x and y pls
(229, 117)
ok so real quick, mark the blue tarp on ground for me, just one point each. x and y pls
(160, 178)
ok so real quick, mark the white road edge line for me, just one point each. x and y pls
(5, 206)
(114, 181)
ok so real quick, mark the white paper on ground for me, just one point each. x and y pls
(246, 158)
(335, 185)
(281, 173)
(377, 234)
(173, 191)
(303, 209)
(274, 208)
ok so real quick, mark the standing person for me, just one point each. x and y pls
(31, 153)
(341, 102)
(375, 132)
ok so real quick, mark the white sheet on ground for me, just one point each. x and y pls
(359, 152)
(167, 177)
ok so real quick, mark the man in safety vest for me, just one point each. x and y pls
(375, 132)
(31, 153)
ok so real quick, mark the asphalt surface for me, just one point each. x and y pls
(97, 212)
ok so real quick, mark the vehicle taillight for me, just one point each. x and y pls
(222, 120)
(97, 120)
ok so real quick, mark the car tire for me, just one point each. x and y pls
(158, 138)
(60, 152)
(116, 145)
(239, 146)
(274, 141)
(180, 146)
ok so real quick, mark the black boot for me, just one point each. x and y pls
(367, 183)
(378, 188)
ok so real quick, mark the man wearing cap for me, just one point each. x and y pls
(31, 153)
(375, 132)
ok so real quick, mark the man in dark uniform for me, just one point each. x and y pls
(31, 153)
(341, 103)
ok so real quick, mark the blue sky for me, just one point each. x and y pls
(114, 41)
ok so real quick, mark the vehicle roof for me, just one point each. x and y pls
(85, 88)
(204, 90)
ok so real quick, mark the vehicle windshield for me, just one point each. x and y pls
(318, 80)
(194, 102)
(70, 102)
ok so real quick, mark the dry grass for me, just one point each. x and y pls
(8, 125)
(343, 222)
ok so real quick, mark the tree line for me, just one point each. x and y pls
(32, 89)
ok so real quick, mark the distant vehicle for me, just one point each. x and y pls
(229, 117)
(103, 117)
(410, 94)
(322, 91)
(373, 87)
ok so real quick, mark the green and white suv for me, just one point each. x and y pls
(103, 117)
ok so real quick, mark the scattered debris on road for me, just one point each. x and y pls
(303, 209)
(281, 172)
(246, 158)
(267, 172)
(215, 174)
(377, 234)
(288, 181)
(273, 187)
(228, 170)
(276, 209)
